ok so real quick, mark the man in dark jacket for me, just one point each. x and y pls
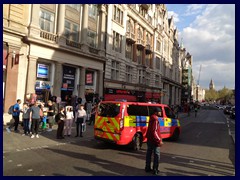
(154, 141)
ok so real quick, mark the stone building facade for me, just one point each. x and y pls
(115, 51)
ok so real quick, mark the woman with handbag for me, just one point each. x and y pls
(60, 118)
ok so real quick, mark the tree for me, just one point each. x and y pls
(211, 95)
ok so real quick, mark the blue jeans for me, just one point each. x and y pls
(151, 148)
(26, 126)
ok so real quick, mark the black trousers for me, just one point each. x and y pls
(79, 124)
(60, 129)
(15, 124)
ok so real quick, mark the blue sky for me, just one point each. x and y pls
(208, 33)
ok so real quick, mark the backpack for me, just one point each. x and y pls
(10, 109)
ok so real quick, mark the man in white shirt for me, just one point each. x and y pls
(81, 118)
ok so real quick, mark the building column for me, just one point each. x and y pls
(32, 71)
(61, 23)
(34, 28)
(58, 80)
(100, 83)
(135, 45)
(84, 29)
(102, 29)
(81, 92)
(77, 79)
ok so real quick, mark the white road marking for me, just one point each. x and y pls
(30, 170)
(19, 165)
(10, 161)
(191, 161)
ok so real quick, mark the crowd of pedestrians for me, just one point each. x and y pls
(40, 116)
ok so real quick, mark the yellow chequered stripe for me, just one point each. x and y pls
(167, 122)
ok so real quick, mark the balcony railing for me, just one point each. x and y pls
(49, 36)
(73, 44)
(130, 36)
(140, 43)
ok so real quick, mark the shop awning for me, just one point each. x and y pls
(114, 97)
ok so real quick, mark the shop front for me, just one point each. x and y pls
(120, 95)
(42, 84)
(68, 81)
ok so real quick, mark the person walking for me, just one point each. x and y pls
(26, 117)
(93, 113)
(15, 116)
(154, 141)
(60, 118)
(52, 111)
(35, 119)
(68, 121)
(80, 119)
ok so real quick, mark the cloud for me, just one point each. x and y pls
(210, 38)
(175, 16)
(193, 9)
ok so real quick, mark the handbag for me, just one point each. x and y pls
(84, 127)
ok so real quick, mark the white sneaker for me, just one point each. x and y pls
(37, 136)
(23, 134)
(32, 136)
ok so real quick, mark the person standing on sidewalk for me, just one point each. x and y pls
(68, 121)
(60, 118)
(81, 118)
(35, 119)
(52, 111)
(15, 116)
(154, 141)
(26, 116)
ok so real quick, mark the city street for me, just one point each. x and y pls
(205, 148)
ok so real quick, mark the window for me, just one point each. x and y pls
(157, 63)
(118, 15)
(158, 46)
(151, 110)
(136, 110)
(108, 109)
(169, 112)
(157, 80)
(148, 60)
(46, 21)
(129, 51)
(115, 70)
(117, 42)
(139, 56)
(92, 11)
(75, 6)
(147, 77)
(129, 74)
(71, 31)
(91, 38)
(141, 77)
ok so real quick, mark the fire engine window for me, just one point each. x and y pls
(151, 109)
(108, 109)
(136, 110)
(169, 112)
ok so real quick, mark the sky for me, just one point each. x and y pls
(208, 34)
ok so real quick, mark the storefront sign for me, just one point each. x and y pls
(42, 85)
(89, 78)
(43, 71)
(68, 78)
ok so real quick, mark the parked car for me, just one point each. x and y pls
(227, 110)
(232, 112)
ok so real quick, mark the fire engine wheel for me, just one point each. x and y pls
(175, 135)
(137, 142)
